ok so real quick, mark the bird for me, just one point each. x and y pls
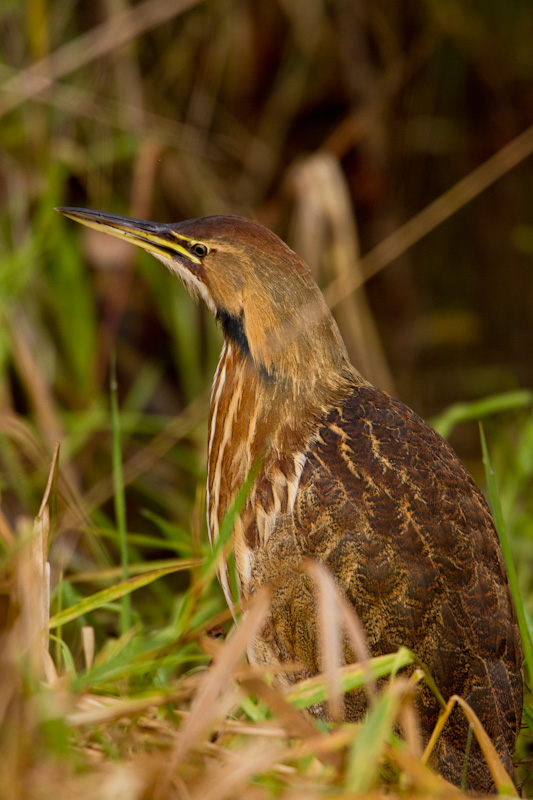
(344, 474)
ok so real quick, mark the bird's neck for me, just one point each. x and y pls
(260, 414)
(259, 420)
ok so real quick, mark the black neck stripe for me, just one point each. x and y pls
(233, 328)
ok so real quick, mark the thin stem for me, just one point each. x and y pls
(119, 495)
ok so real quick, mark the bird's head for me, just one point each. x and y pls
(262, 293)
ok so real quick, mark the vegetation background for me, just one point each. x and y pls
(388, 143)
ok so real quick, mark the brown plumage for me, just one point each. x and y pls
(348, 476)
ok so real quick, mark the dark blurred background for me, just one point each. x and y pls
(334, 123)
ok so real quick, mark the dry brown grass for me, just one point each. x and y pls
(347, 128)
(223, 732)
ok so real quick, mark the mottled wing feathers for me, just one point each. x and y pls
(386, 503)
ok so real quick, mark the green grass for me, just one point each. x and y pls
(157, 694)
(230, 108)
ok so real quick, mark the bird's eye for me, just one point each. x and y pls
(199, 249)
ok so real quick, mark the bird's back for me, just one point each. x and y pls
(387, 505)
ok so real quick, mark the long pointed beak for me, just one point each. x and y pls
(154, 237)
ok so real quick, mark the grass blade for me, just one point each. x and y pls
(501, 528)
(372, 739)
(119, 496)
(480, 409)
(100, 599)
(354, 676)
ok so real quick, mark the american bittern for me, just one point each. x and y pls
(348, 476)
